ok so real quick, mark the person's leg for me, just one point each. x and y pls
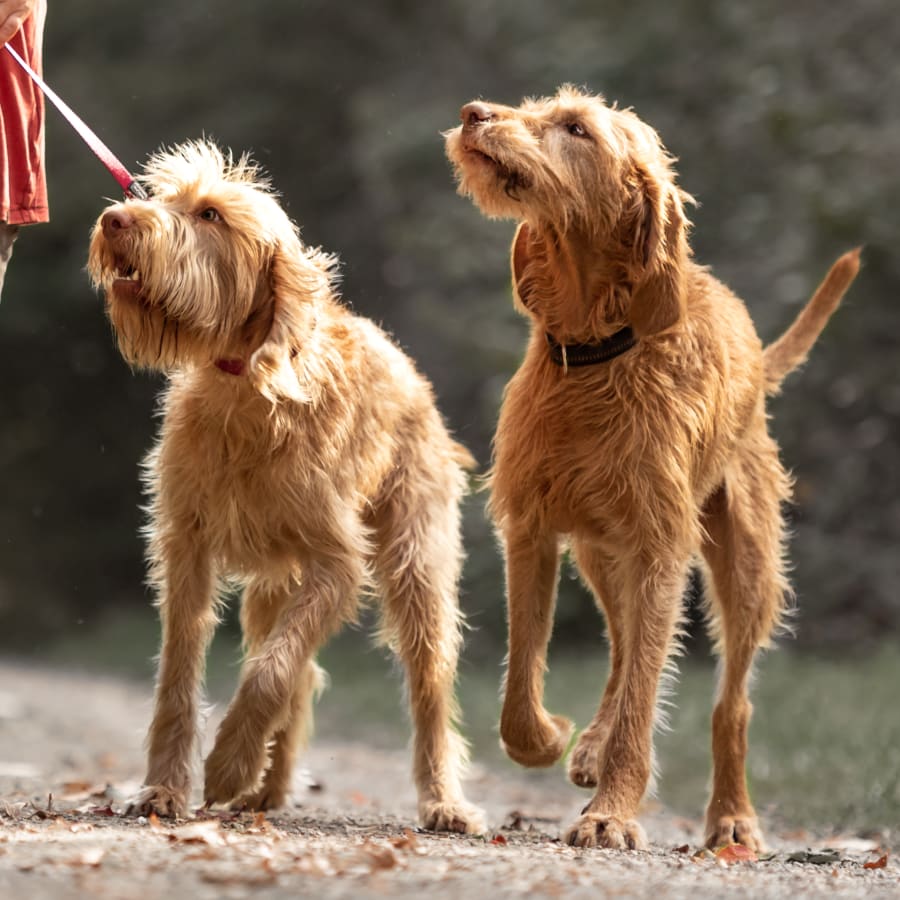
(7, 239)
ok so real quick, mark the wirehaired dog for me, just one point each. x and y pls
(635, 430)
(300, 456)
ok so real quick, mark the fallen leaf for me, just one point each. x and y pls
(101, 810)
(735, 853)
(815, 857)
(205, 832)
(879, 863)
(380, 856)
(408, 841)
(500, 840)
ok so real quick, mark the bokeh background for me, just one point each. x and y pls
(784, 118)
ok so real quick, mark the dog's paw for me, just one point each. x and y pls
(738, 829)
(166, 802)
(267, 797)
(584, 760)
(540, 746)
(232, 772)
(456, 816)
(609, 832)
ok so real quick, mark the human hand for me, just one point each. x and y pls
(12, 14)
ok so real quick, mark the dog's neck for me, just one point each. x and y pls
(573, 290)
(258, 325)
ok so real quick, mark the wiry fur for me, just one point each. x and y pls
(639, 463)
(320, 469)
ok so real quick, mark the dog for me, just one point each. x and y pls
(635, 433)
(300, 457)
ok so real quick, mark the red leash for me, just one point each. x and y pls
(132, 187)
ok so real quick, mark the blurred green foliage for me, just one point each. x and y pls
(785, 122)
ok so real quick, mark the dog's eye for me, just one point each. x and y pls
(576, 129)
(210, 214)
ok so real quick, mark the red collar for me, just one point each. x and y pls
(230, 366)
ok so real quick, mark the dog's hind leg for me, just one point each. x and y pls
(654, 583)
(417, 562)
(259, 612)
(748, 587)
(597, 569)
(326, 598)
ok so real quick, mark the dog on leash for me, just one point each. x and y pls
(301, 457)
(634, 431)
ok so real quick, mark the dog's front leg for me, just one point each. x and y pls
(186, 604)
(653, 607)
(529, 734)
(262, 705)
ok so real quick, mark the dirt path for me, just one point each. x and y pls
(79, 739)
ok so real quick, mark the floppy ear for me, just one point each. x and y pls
(293, 281)
(660, 252)
(522, 253)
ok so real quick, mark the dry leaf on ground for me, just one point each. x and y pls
(735, 853)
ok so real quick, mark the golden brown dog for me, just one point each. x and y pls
(635, 430)
(300, 456)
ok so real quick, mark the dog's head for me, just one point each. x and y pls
(575, 168)
(209, 268)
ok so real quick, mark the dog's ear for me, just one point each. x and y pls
(295, 280)
(523, 251)
(655, 229)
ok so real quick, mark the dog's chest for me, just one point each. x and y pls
(251, 519)
(249, 490)
(585, 456)
(552, 458)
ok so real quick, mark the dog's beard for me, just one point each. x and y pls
(146, 335)
(495, 184)
(500, 191)
(172, 310)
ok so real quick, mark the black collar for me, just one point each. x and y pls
(572, 355)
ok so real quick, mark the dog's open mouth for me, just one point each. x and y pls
(482, 156)
(127, 278)
(513, 180)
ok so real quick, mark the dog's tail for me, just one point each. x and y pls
(463, 458)
(790, 350)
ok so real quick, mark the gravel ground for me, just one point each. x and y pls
(70, 754)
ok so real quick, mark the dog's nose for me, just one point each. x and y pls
(116, 220)
(475, 113)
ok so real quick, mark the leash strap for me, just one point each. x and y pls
(126, 180)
